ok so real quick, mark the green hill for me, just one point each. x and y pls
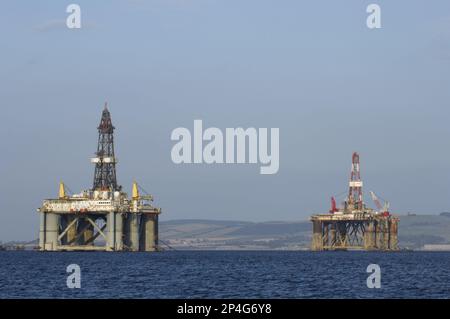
(414, 232)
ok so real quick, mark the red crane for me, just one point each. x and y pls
(384, 210)
(334, 208)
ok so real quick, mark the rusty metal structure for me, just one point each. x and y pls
(354, 225)
(103, 218)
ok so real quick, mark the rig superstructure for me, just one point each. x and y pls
(102, 218)
(354, 225)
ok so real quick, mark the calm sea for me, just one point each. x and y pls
(225, 274)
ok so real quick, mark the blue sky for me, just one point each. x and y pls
(311, 68)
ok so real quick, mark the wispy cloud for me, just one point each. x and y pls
(59, 24)
(50, 25)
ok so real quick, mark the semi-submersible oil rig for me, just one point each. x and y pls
(355, 226)
(75, 222)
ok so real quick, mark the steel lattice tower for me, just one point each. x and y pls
(355, 199)
(105, 162)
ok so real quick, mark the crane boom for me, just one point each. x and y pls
(376, 200)
(334, 208)
(382, 208)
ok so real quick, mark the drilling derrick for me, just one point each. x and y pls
(355, 200)
(105, 162)
(355, 226)
(103, 218)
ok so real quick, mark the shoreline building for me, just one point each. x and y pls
(103, 218)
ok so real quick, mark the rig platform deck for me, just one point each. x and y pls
(364, 231)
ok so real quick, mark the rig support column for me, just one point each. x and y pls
(111, 231)
(51, 231)
(42, 230)
(384, 228)
(369, 238)
(394, 234)
(133, 231)
(378, 237)
(326, 235)
(317, 242)
(387, 233)
(150, 232)
(118, 231)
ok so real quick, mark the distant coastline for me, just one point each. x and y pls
(416, 232)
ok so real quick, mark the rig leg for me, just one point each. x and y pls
(326, 235)
(150, 232)
(132, 231)
(119, 232)
(42, 231)
(110, 221)
(317, 242)
(385, 234)
(369, 236)
(51, 232)
(378, 236)
(394, 234)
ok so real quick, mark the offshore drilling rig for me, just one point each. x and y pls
(102, 215)
(355, 226)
